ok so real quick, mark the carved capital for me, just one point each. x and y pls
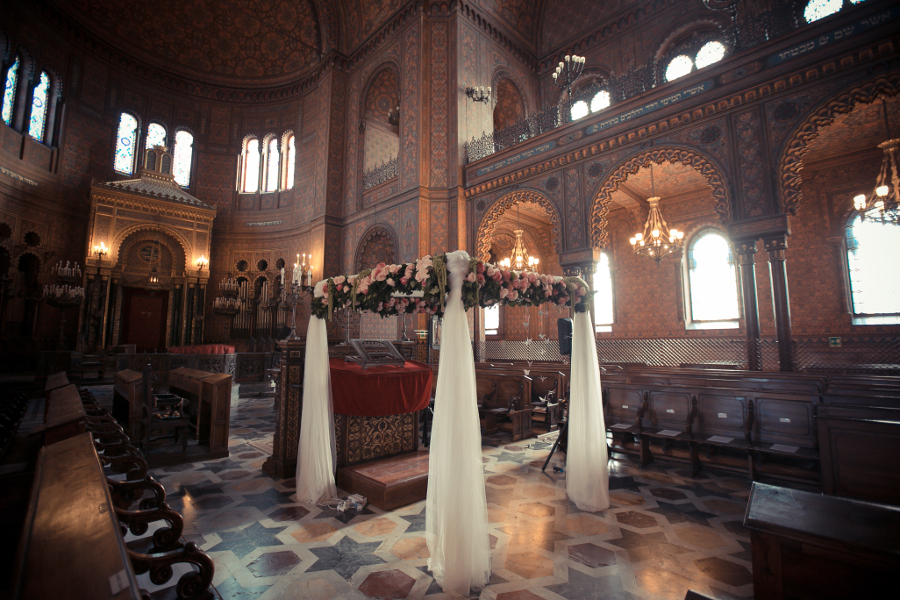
(775, 246)
(745, 250)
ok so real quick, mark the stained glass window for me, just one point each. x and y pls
(39, 108)
(819, 9)
(9, 92)
(251, 166)
(126, 137)
(711, 52)
(184, 152)
(579, 109)
(679, 66)
(603, 299)
(874, 283)
(291, 157)
(272, 165)
(156, 135)
(600, 101)
(712, 279)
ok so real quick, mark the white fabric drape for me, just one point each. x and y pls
(315, 454)
(456, 509)
(587, 475)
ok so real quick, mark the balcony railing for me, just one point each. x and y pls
(750, 30)
(378, 175)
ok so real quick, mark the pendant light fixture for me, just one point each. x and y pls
(657, 241)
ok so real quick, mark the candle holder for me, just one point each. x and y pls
(63, 297)
(290, 300)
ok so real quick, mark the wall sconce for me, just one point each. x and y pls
(479, 94)
(101, 250)
(202, 262)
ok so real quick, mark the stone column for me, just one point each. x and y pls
(775, 247)
(288, 406)
(746, 252)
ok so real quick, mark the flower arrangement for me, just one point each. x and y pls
(422, 286)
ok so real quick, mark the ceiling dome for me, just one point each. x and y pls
(235, 43)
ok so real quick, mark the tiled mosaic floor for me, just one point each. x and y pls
(665, 532)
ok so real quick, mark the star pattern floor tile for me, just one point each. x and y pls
(664, 531)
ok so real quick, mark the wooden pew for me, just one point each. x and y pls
(65, 415)
(810, 546)
(211, 395)
(127, 401)
(71, 545)
(504, 402)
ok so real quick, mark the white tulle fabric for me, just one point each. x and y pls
(456, 510)
(315, 454)
(587, 476)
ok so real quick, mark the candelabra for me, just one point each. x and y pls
(290, 299)
(302, 271)
(567, 72)
(344, 319)
(64, 296)
(228, 304)
(479, 94)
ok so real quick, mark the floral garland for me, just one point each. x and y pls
(422, 286)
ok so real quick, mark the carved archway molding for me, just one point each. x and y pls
(123, 235)
(791, 163)
(127, 244)
(490, 219)
(370, 234)
(688, 157)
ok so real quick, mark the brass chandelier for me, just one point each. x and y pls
(883, 204)
(657, 241)
(519, 259)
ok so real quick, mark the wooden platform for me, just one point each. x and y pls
(388, 483)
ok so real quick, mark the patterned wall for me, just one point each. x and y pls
(509, 107)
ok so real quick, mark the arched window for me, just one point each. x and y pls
(9, 91)
(580, 109)
(594, 98)
(600, 100)
(290, 156)
(819, 9)
(156, 135)
(272, 165)
(603, 297)
(251, 166)
(184, 153)
(126, 138)
(39, 108)
(492, 320)
(711, 52)
(874, 283)
(712, 296)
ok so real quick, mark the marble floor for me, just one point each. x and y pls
(665, 532)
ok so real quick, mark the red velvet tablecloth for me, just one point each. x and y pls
(379, 391)
(203, 349)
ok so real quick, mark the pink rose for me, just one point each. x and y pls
(479, 267)
(497, 276)
(363, 288)
(470, 277)
(340, 279)
(390, 282)
(394, 269)
(504, 292)
(562, 300)
(513, 295)
(532, 277)
(404, 281)
(481, 279)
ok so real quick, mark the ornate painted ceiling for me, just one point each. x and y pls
(241, 43)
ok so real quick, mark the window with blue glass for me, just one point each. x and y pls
(712, 285)
(874, 281)
(819, 9)
(126, 139)
(9, 91)
(39, 100)
(183, 155)
(156, 135)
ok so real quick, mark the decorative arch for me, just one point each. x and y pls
(690, 158)
(791, 163)
(490, 219)
(504, 80)
(373, 80)
(119, 239)
(374, 242)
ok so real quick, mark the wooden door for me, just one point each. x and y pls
(144, 319)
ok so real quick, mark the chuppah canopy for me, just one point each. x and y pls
(448, 285)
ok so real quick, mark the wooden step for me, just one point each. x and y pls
(388, 483)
